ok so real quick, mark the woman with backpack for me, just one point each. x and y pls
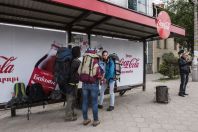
(109, 80)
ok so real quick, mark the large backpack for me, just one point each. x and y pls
(62, 65)
(89, 69)
(19, 95)
(20, 92)
(36, 94)
(117, 63)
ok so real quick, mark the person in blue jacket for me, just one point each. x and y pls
(108, 67)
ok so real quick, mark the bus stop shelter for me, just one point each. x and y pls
(85, 16)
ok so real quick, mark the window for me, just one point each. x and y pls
(122, 3)
(165, 44)
(158, 64)
(132, 4)
(142, 6)
(175, 46)
(158, 44)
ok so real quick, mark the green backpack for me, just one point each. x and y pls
(19, 93)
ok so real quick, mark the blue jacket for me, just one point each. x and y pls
(110, 70)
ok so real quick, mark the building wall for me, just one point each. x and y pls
(158, 51)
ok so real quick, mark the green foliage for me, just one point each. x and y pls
(169, 67)
(182, 14)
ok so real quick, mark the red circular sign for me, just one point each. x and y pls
(163, 24)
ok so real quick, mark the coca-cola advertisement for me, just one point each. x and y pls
(43, 72)
(27, 55)
(131, 58)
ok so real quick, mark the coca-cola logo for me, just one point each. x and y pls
(163, 23)
(43, 79)
(7, 66)
(132, 63)
(129, 63)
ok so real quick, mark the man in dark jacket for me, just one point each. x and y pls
(72, 86)
(184, 67)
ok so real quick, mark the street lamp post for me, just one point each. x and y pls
(195, 58)
(195, 26)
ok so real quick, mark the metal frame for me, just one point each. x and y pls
(117, 12)
(79, 18)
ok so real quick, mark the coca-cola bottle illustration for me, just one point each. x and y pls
(43, 72)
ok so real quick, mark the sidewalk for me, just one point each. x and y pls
(134, 112)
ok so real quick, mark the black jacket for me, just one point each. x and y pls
(184, 66)
(74, 76)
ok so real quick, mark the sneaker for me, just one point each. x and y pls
(100, 106)
(111, 108)
(186, 94)
(86, 122)
(95, 123)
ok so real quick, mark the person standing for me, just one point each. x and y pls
(90, 75)
(108, 80)
(184, 67)
(72, 85)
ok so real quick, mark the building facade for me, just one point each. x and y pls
(155, 51)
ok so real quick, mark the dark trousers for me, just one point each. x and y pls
(71, 91)
(184, 81)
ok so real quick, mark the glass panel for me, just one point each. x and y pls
(132, 4)
(142, 6)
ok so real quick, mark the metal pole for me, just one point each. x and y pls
(69, 36)
(89, 39)
(195, 58)
(144, 65)
(195, 26)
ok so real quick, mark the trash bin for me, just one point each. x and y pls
(162, 95)
(195, 73)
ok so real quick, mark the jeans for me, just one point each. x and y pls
(184, 81)
(111, 92)
(90, 90)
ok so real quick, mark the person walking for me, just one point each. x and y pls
(184, 67)
(72, 85)
(108, 80)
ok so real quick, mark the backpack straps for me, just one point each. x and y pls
(23, 89)
(90, 64)
(17, 90)
(82, 64)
